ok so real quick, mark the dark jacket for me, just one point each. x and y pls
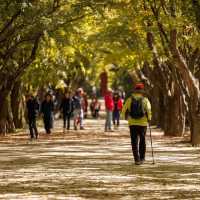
(66, 106)
(32, 108)
(47, 108)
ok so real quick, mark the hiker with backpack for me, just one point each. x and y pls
(66, 108)
(109, 106)
(47, 109)
(137, 109)
(118, 104)
(32, 106)
(78, 109)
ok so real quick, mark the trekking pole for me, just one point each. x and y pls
(151, 145)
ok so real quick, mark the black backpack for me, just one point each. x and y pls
(76, 103)
(137, 110)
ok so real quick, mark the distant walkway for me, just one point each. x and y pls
(92, 165)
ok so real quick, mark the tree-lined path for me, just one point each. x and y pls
(55, 48)
(91, 164)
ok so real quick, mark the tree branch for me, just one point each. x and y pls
(183, 68)
(10, 22)
(29, 60)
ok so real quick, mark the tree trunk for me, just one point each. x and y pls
(6, 123)
(193, 91)
(195, 129)
(174, 117)
(104, 83)
(10, 122)
(17, 105)
(3, 114)
(156, 109)
(162, 111)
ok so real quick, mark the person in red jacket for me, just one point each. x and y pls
(109, 106)
(118, 104)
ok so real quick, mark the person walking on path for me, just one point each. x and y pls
(66, 108)
(109, 106)
(32, 111)
(78, 109)
(137, 109)
(47, 109)
(95, 107)
(118, 104)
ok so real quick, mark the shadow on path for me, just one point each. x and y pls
(91, 164)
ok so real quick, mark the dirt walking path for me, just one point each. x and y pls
(94, 165)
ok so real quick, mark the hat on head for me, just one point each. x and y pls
(139, 86)
(109, 90)
(80, 90)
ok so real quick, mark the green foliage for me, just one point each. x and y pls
(78, 39)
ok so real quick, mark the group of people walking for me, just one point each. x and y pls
(70, 105)
(46, 109)
(136, 109)
(113, 106)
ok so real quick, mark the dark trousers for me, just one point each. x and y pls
(116, 117)
(48, 123)
(138, 142)
(66, 117)
(32, 127)
(95, 113)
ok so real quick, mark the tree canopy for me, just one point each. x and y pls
(45, 41)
